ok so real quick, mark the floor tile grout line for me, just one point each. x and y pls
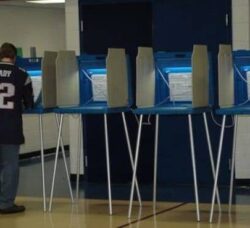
(152, 215)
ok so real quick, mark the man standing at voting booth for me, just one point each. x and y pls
(16, 92)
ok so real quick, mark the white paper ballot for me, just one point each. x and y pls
(99, 87)
(180, 86)
(248, 84)
(37, 86)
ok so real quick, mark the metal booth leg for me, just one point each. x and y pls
(108, 163)
(65, 161)
(155, 160)
(131, 156)
(135, 166)
(194, 167)
(42, 161)
(211, 156)
(79, 157)
(217, 167)
(233, 163)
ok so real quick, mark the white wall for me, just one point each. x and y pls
(50, 133)
(240, 24)
(72, 26)
(43, 28)
(73, 43)
(241, 40)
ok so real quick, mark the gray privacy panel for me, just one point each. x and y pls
(67, 79)
(145, 77)
(200, 76)
(117, 77)
(225, 76)
(49, 79)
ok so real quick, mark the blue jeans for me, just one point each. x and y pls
(9, 174)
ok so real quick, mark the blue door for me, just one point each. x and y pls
(177, 26)
(172, 25)
(118, 25)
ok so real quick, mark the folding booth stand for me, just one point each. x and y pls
(172, 84)
(234, 93)
(104, 83)
(42, 73)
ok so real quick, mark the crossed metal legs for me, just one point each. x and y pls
(155, 162)
(59, 141)
(42, 160)
(108, 159)
(218, 165)
(78, 160)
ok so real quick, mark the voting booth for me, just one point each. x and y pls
(173, 83)
(225, 76)
(105, 80)
(42, 72)
(234, 94)
(49, 79)
(173, 79)
(67, 79)
(234, 77)
(93, 80)
(33, 68)
(241, 67)
(89, 85)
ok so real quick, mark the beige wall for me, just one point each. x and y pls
(43, 28)
(32, 133)
(241, 40)
(240, 23)
(73, 43)
(72, 26)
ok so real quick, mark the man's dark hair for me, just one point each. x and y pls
(8, 50)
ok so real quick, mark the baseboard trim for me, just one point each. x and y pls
(38, 153)
(242, 182)
(73, 177)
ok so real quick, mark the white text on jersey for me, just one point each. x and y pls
(5, 73)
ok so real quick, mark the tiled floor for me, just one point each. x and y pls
(94, 213)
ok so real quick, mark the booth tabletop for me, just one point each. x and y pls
(38, 110)
(172, 110)
(234, 110)
(90, 109)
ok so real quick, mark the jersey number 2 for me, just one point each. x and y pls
(9, 91)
